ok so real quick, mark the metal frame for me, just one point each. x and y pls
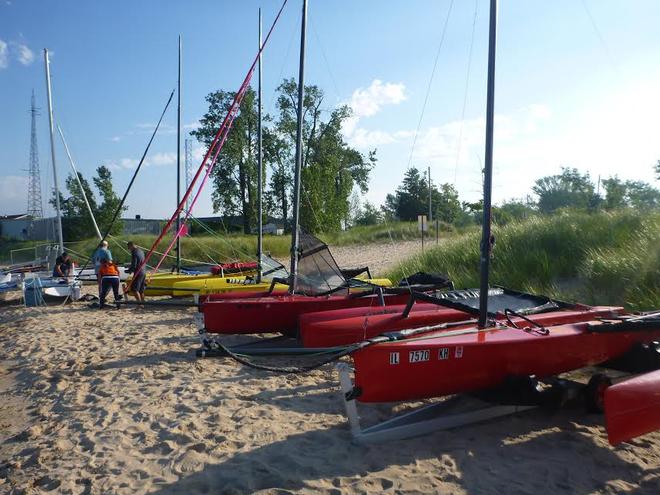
(427, 419)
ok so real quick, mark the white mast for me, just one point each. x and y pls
(52, 153)
(82, 189)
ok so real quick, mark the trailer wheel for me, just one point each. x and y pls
(595, 392)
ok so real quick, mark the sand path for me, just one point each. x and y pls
(118, 403)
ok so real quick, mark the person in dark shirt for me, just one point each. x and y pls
(137, 268)
(63, 266)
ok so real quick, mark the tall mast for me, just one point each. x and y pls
(60, 239)
(298, 167)
(178, 164)
(488, 167)
(82, 189)
(260, 234)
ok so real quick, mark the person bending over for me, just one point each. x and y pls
(63, 266)
(109, 274)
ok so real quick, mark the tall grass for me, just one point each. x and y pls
(603, 258)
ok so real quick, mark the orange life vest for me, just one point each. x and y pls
(108, 269)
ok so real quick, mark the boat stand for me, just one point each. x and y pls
(435, 417)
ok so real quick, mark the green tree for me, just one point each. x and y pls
(410, 198)
(330, 168)
(109, 202)
(368, 215)
(570, 189)
(657, 170)
(615, 193)
(78, 224)
(446, 205)
(235, 173)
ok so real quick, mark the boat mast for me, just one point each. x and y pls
(260, 234)
(82, 189)
(52, 154)
(488, 168)
(298, 167)
(178, 164)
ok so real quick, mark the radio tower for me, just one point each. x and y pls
(35, 207)
(188, 164)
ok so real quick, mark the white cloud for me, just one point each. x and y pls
(13, 194)
(115, 139)
(157, 160)
(367, 102)
(23, 54)
(4, 55)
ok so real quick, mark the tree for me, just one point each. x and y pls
(330, 168)
(109, 202)
(446, 205)
(570, 189)
(235, 173)
(634, 194)
(368, 215)
(410, 198)
(657, 170)
(78, 224)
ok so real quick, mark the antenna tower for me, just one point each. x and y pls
(35, 207)
(188, 165)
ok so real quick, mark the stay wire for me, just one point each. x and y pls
(465, 91)
(428, 89)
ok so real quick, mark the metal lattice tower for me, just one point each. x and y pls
(35, 206)
(188, 165)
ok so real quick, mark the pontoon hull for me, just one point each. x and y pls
(467, 359)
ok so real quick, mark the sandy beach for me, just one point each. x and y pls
(116, 402)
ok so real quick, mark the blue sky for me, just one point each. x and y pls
(577, 85)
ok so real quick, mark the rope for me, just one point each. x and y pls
(428, 89)
(224, 129)
(465, 91)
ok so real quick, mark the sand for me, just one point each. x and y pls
(116, 402)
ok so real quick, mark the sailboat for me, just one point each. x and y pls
(315, 282)
(503, 339)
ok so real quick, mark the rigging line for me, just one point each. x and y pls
(325, 58)
(286, 58)
(137, 170)
(465, 91)
(428, 89)
(225, 127)
(605, 47)
(214, 234)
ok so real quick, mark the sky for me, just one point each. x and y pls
(576, 85)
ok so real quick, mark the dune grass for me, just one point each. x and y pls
(602, 258)
(224, 247)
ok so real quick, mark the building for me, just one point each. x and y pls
(25, 228)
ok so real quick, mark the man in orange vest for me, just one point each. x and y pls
(109, 274)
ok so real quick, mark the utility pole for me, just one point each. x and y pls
(35, 206)
(430, 205)
(52, 154)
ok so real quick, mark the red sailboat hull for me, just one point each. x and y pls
(349, 326)
(466, 359)
(277, 314)
(632, 407)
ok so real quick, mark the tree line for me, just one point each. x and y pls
(331, 169)
(568, 189)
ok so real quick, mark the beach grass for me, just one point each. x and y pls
(596, 258)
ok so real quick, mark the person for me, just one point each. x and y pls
(109, 274)
(63, 266)
(137, 268)
(101, 254)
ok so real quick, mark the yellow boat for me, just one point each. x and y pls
(219, 285)
(162, 284)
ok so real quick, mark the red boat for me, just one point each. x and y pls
(464, 358)
(279, 313)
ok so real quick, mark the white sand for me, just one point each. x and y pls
(116, 402)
